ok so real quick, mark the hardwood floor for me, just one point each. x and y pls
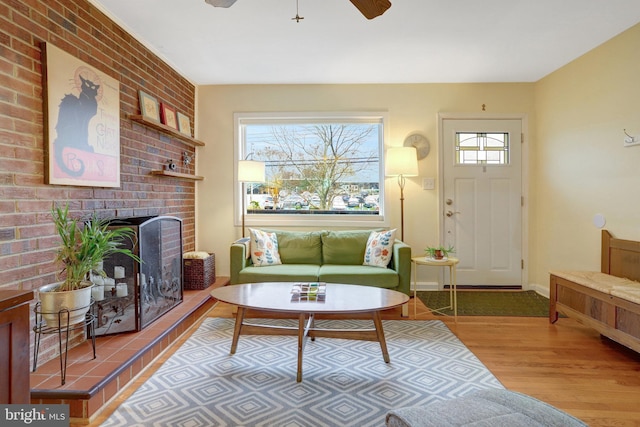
(566, 364)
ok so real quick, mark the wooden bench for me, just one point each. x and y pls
(607, 301)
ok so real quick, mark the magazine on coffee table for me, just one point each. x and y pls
(308, 291)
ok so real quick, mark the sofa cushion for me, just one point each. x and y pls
(344, 247)
(279, 273)
(495, 408)
(264, 248)
(379, 248)
(359, 275)
(299, 247)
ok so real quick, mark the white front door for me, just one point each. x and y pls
(482, 199)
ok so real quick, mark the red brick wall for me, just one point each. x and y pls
(27, 239)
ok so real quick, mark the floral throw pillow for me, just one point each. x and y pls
(379, 248)
(264, 248)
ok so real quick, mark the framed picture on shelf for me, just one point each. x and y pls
(168, 116)
(184, 124)
(149, 106)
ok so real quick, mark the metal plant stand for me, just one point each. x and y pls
(63, 327)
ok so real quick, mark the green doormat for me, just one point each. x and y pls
(489, 303)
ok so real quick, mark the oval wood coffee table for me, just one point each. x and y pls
(338, 299)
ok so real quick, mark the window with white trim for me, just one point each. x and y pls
(319, 167)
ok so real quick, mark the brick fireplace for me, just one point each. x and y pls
(28, 240)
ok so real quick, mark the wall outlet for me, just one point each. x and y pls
(428, 183)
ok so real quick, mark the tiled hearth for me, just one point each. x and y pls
(91, 383)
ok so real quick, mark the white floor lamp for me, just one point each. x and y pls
(401, 162)
(249, 171)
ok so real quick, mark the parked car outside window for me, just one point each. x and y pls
(294, 201)
(338, 204)
(268, 203)
(353, 202)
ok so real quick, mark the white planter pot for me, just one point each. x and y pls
(54, 302)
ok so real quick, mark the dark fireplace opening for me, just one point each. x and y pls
(133, 295)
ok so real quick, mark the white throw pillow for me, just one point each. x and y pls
(379, 248)
(264, 248)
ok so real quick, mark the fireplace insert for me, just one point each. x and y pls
(133, 295)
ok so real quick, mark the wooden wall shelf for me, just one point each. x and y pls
(166, 129)
(178, 175)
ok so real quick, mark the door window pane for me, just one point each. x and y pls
(482, 148)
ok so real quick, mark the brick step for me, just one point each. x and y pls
(91, 383)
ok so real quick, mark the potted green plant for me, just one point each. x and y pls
(82, 248)
(439, 252)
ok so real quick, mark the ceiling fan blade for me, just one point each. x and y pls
(220, 3)
(372, 8)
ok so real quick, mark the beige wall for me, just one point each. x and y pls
(581, 167)
(411, 108)
(577, 164)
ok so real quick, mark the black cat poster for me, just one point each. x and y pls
(82, 122)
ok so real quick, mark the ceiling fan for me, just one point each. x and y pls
(369, 8)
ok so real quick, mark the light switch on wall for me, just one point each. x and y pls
(428, 183)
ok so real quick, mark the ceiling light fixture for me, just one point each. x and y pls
(220, 3)
(296, 18)
(369, 8)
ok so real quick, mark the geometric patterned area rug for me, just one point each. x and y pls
(489, 303)
(345, 382)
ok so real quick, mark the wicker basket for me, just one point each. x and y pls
(199, 273)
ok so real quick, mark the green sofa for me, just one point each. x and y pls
(324, 256)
